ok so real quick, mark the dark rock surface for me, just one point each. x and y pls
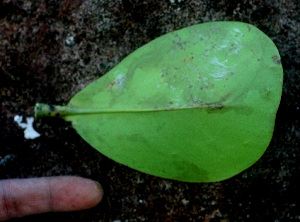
(49, 50)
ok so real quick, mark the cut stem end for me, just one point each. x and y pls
(42, 110)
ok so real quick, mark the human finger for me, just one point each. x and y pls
(22, 197)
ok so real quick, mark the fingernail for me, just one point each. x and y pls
(99, 187)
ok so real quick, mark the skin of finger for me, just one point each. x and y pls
(22, 197)
(74, 193)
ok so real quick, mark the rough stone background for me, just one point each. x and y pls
(49, 50)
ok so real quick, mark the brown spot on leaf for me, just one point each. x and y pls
(111, 84)
(116, 82)
(276, 60)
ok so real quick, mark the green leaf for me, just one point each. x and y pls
(197, 105)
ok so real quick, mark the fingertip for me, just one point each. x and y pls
(71, 193)
(95, 194)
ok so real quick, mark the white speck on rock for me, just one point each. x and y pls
(185, 202)
(29, 132)
(173, 1)
(5, 159)
(69, 39)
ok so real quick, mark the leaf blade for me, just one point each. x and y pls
(196, 105)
